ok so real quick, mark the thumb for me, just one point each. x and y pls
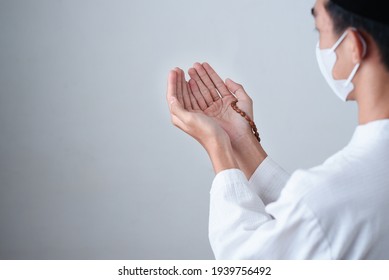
(236, 89)
(176, 108)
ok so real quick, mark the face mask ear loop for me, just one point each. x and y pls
(340, 40)
(351, 77)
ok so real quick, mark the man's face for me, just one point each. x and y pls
(327, 38)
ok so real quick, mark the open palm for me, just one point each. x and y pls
(214, 98)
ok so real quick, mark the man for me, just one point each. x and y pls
(338, 210)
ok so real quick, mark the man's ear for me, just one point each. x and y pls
(358, 46)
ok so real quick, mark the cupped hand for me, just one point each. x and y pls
(214, 98)
(187, 115)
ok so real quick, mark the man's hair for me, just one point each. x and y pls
(343, 19)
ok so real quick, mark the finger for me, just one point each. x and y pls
(216, 80)
(185, 93)
(203, 89)
(237, 90)
(207, 81)
(171, 87)
(179, 85)
(197, 95)
(171, 96)
(195, 105)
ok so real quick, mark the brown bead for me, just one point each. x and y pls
(247, 118)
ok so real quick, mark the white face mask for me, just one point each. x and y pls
(327, 59)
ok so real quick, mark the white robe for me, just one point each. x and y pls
(338, 210)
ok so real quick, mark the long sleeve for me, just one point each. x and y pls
(268, 180)
(337, 210)
(242, 227)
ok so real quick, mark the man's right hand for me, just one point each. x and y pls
(214, 97)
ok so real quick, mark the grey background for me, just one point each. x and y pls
(90, 165)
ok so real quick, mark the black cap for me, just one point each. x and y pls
(372, 9)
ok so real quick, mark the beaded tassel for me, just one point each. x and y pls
(250, 121)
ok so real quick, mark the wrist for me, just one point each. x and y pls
(249, 153)
(245, 139)
(221, 154)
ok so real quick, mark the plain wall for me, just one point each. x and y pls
(90, 165)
